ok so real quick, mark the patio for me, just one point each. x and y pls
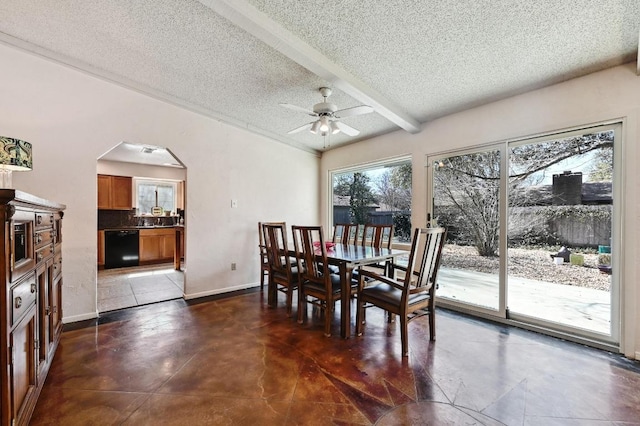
(579, 307)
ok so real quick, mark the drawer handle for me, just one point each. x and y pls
(40, 257)
(39, 219)
(18, 302)
(33, 288)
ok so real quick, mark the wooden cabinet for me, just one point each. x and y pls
(157, 244)
(115, 192)
(100, 248)
(23, 380)
(31, 326)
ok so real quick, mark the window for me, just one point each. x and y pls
(151, 193)
(378, 193)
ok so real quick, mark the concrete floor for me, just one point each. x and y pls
(231, 360)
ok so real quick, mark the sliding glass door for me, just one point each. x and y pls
(532, 231)
(466, 198)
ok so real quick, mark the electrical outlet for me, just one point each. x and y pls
(234, 204)
(233, 266)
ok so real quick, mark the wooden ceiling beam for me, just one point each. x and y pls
(261, 26)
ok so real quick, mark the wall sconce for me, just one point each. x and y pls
(15, 155)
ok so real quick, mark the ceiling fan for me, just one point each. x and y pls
(329, 116)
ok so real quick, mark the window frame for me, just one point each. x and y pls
(364, 167)
(137, 181)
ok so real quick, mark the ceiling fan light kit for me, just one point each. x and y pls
(328, 116)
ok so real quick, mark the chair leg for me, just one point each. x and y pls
(263, 275)
(404, 332)
(271, 293)
(289, 301)
(432, 325)
(302, 303)
(302, 306)
(328, 316)
(359, 316)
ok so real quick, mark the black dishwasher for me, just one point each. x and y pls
(121, 248)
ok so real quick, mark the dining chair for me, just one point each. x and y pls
(316, 279)
(414, 295)
(264, 261)
(345, 233)
(375, 236)
(283, 272)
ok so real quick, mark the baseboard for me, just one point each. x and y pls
(220, 291)
(638, 356)
(82, 317)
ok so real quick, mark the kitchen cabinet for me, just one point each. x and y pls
(157, 244)
(31, 324)
(100, 248)
(115, 192)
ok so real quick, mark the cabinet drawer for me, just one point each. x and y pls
(57, 264)
(43, 238)
(44, 220)
(44, 253)
(23, 296)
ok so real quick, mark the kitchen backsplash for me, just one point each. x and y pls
(108, 219)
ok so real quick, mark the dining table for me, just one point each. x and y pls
(348, 257)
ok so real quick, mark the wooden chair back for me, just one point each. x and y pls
(378, 236)
(311, 253)
(345, 233)
(424, 260)
(264, 261)
(275, 242)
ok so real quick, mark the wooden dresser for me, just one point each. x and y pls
(31, 297)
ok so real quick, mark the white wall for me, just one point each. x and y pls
(608, 95)
(72, 118)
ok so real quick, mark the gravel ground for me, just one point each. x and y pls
(532, 264)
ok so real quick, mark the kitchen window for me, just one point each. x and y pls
(155, 193)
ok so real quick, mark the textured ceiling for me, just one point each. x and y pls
(412, 60)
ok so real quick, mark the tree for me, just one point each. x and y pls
(602, 170)
(360, 198)
(393, 188)
(342, 184)
(467, 187)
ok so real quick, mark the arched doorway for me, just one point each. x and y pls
(141, 204)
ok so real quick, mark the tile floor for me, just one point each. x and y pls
(126, 287)
(232, 360)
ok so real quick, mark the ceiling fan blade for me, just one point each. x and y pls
(347, 130)
(300, 129)
(299, 109)
(350, 112)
